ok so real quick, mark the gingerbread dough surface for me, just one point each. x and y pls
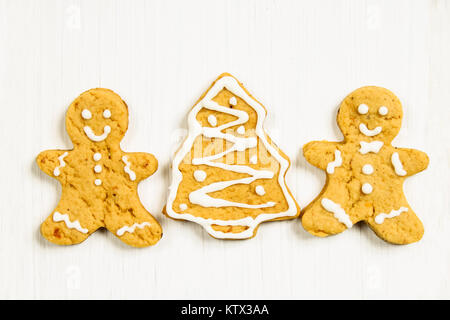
(99, 180)
(365, 174)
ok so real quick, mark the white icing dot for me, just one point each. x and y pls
(241, 130)
(97, 156)
(260, 190)
(183, 207)
(383, 110)
(363, 108)
(367, 169)
(107, 114)
(200, 175)
(367, 188)
(98, 168)
(98, 182)
(212, 120)
(254, 160)
(86, 114)
(233, 101)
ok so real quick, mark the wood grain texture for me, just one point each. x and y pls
(299, 58)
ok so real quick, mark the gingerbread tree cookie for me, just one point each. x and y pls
(228, 176)
(365, 174)
(99, 180)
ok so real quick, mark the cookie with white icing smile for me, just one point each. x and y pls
(99, 180)
(365, 173)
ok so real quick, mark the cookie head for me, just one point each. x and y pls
(370, 113)
(97, 116)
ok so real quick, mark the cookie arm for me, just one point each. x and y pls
(320, 153)
(142, 164)
(413, 161)
(52, 162)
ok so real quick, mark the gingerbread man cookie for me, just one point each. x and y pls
(365, 174)
(99, 180)
(228, 176)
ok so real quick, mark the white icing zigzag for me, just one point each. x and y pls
(127, 168)
(62, 164)
(200, 196)
(338, 212)
(398, 165)
(336, 163)
(394, 213)
(132, 229)
(58, 217)
(239, 144)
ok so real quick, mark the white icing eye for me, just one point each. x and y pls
(106, 114)
(363, 108)
(233, 101)
(383, 110)
(86, 114)
(241, 130)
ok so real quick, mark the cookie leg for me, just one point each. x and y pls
(327, 215)
(70, 223)
(133, 224)
(397, 225)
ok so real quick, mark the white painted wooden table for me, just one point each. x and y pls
(299, 58)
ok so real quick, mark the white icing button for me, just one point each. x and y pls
(260, 190)
(86, 114)
(98, 182)
(107, 114)
(367, 169)
(200, 175)
(254, 160)
(97, 157)
(383, 110)
(98, 168)
(241, 130)
(363, 108)
(183, 207)
(212, 120)
(367, 188)
(233, 101)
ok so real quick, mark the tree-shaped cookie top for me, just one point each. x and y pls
(230, 160)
